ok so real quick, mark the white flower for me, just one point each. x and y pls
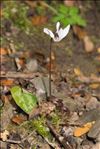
(59, 34)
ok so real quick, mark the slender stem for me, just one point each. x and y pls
(50, 52)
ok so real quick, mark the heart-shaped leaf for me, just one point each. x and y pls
(26, 101)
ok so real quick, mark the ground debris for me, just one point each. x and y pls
(94, 132)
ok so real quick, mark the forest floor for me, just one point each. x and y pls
(70, 118)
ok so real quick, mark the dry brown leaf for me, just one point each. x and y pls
(4, 135)
(78, 72)
(18, 119)
(82, 35)
(31, 3)
(89, 46)
(3, 51)
(97, 58)
(79, 32)
(38, 20)
(45, 109)
(98, 50)
(21, 62)
(82, 130)
(5, 98)
(7, 82)
(94, 85)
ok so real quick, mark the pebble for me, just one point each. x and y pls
(94, 132)
(42, 86)
(93, 103)
(32, 65)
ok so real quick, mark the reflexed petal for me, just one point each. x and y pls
(66, 30)
(57, 26)
(63, 32)
(49, 32)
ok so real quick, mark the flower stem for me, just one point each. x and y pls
(50, 52)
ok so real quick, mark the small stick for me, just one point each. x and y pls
(63, 143)
(32, 4)
(14, 142)
(89, 80)
(15, 75)
(53, 145)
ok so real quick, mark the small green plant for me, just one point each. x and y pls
(56, 37)
(17, 13)
(69, 15)
(41, 128)
(55, 119)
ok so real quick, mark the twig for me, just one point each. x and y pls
(89, 80)
(60, 139)
(48, 6)
(32, 4)
(28, 136)
(53, 145)
(19, 75)
(14, 142)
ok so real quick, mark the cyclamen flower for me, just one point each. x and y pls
(59, 34)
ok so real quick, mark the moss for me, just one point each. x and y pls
(41, 128)
(55, 119)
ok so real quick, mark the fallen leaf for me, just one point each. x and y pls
(94, 85)
(91, 79)
(18, 119)
(89, 46)
(98, 50)
(82, 35)
(97, 58)
(38, 20)
(3, 51)
(79, 32)
(7, 82)
(31, 3)
(21, 61)
(78, 72)
(5, 98)
(4, 135)
(45, 109)
(82, 130)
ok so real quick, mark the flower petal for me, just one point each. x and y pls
(63, 32)
(49, 32)
(57, 26)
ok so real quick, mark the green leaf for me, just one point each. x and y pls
(69, 15)
(73, 11)
(26, 101)
(80, 21)
(63, 9)
(58, 18)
